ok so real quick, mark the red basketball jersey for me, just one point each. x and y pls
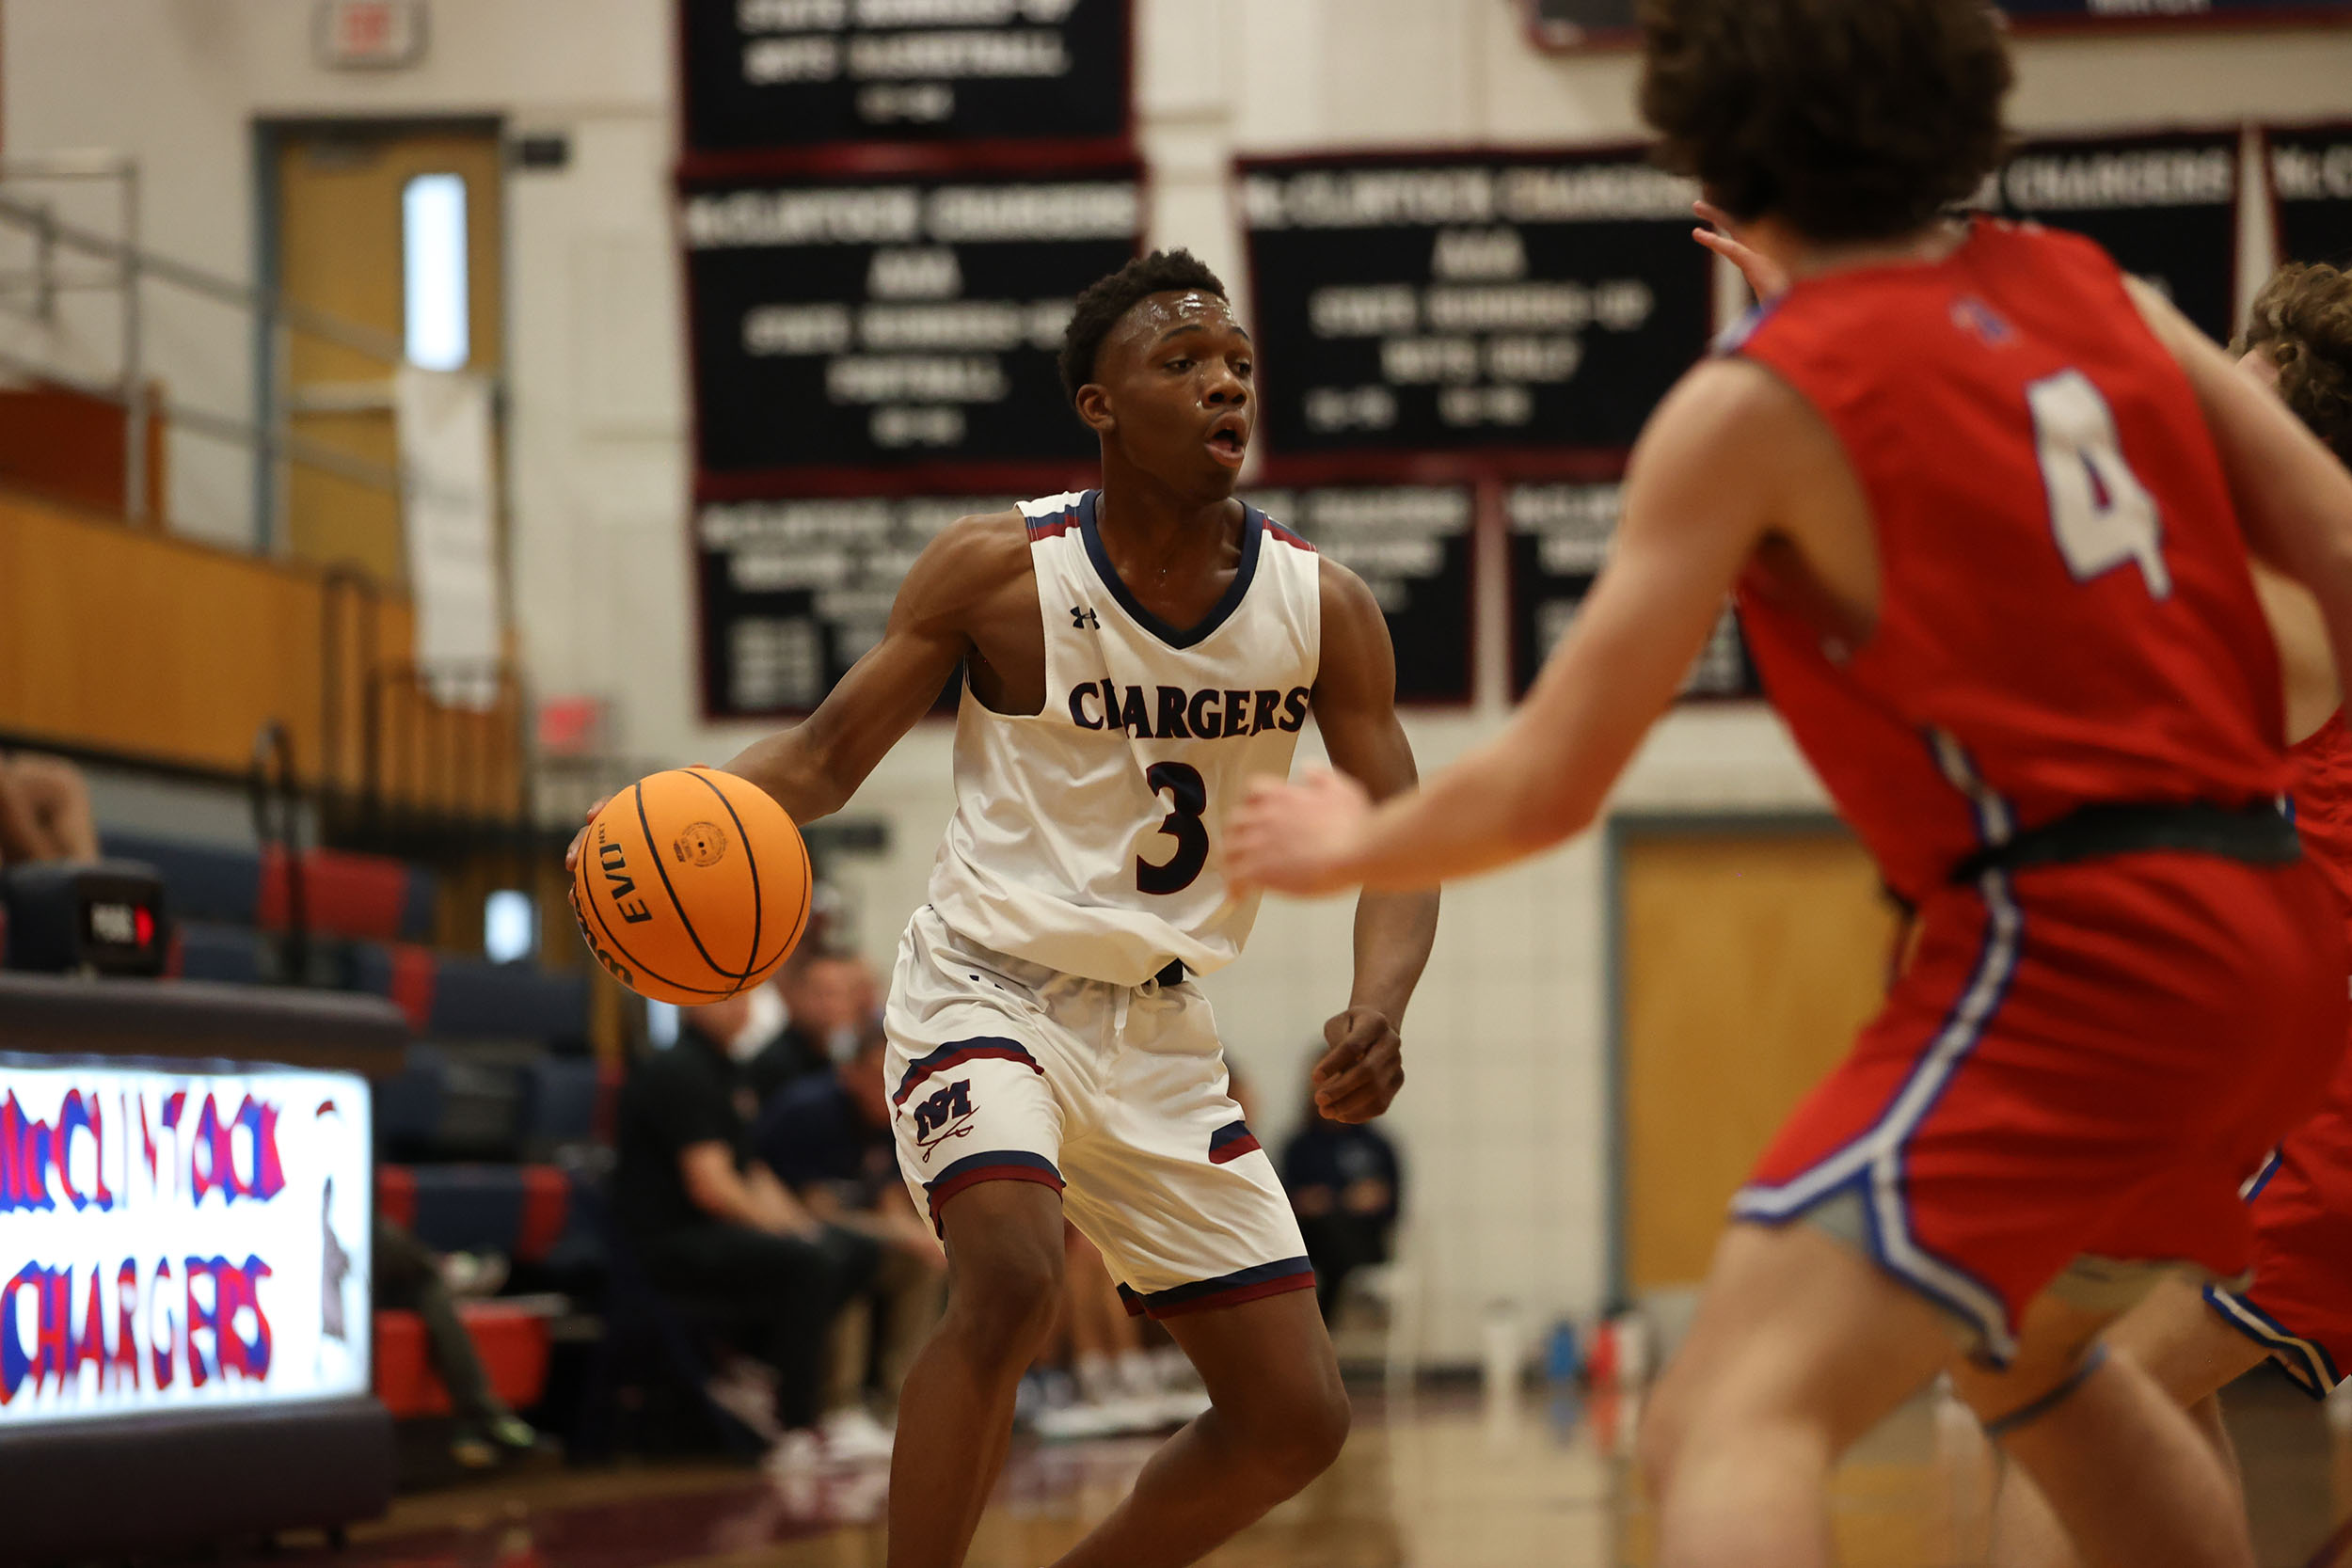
(2323, 803)
(2066, 615)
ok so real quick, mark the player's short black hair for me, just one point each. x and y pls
(1848, 120)
(1104, 305)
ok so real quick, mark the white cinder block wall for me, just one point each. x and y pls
(1503, 1122)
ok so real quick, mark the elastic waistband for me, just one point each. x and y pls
(2256, 834)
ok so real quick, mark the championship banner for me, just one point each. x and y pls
(170, 1239)
(1459, 303)
(1584, 23)
(2165, 206)
(762, 76)
(2311, 190)
(1560, 540)
(795, 592)
(1413, 546)
(864, 325)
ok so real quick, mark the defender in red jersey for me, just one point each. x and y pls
(2296, 1308)
(1990, 506)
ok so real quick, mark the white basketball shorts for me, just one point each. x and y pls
(1115, 1096)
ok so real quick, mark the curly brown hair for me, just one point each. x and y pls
(2302, 323)
(1849, 119)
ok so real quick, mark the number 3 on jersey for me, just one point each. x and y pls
(1187, 793)
(2103, 516)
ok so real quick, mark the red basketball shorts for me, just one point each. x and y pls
(2299, 1306)
(2083, 1060)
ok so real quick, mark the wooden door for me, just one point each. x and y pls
(1748, 962)
(339, 249)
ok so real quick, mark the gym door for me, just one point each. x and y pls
(364, 229)
(1748, 959)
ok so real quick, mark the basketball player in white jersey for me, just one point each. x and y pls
(1135, 654)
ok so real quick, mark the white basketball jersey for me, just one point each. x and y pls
(1085, 837)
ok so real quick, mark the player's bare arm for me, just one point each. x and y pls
(970, 595)
(2293, 499)
(1354, 707)
(1701, 494)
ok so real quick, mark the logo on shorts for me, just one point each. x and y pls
(704, 844)
(944, 1116)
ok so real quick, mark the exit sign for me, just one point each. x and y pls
(368, 35)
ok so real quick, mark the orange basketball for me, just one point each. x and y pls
(692, 885)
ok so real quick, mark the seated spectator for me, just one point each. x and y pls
(829, 1000)
(44, 810)
(827, 1137)
(408, 1278)
(707, 1221)
(1343, 1184)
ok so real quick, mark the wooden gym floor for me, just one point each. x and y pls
(1439, 1483)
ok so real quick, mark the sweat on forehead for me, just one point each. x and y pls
(1157, 313)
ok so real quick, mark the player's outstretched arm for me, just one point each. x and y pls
(1355, 704)
(814, 768)
(2293, 499)
(1704, 482)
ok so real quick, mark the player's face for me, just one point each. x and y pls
(1178, 396)
(2262, 367)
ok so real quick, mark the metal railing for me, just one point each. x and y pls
(399, 750)
(124, 267)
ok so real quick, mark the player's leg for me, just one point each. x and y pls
(979, 1135)
(2191, 1354)
(955, 1413)
(1278, 1414)
(1801, 1345)
(2107, 1465)
(1190, 1215)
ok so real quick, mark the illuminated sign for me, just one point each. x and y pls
(173, 1239)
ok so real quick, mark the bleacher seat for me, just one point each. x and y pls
(408, 1107)
(343, 894)
(475, 999)
(559, 1098)
(521, 1211)
(348, 895)
(512, 1342)
(458, 998)
(208, 951)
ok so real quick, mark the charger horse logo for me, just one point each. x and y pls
(946, 1114)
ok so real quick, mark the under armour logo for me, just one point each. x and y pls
(1082, 619)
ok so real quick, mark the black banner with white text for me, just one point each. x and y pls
(765, 76)
(884, 325)
(2163, 205)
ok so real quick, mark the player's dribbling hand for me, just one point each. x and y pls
(1360, 1074)
(571, 856)
(1722, 237)
(1297, 837)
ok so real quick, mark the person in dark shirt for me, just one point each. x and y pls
(706, 1220)
(1343, 1183)
(827, 1137)
(829, 1000)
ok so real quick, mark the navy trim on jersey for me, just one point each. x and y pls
(1872, 1164)
(950, 1056)
(1226, 1289)
(1252, 535)
(1231, 1142)
(2306, 1361)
